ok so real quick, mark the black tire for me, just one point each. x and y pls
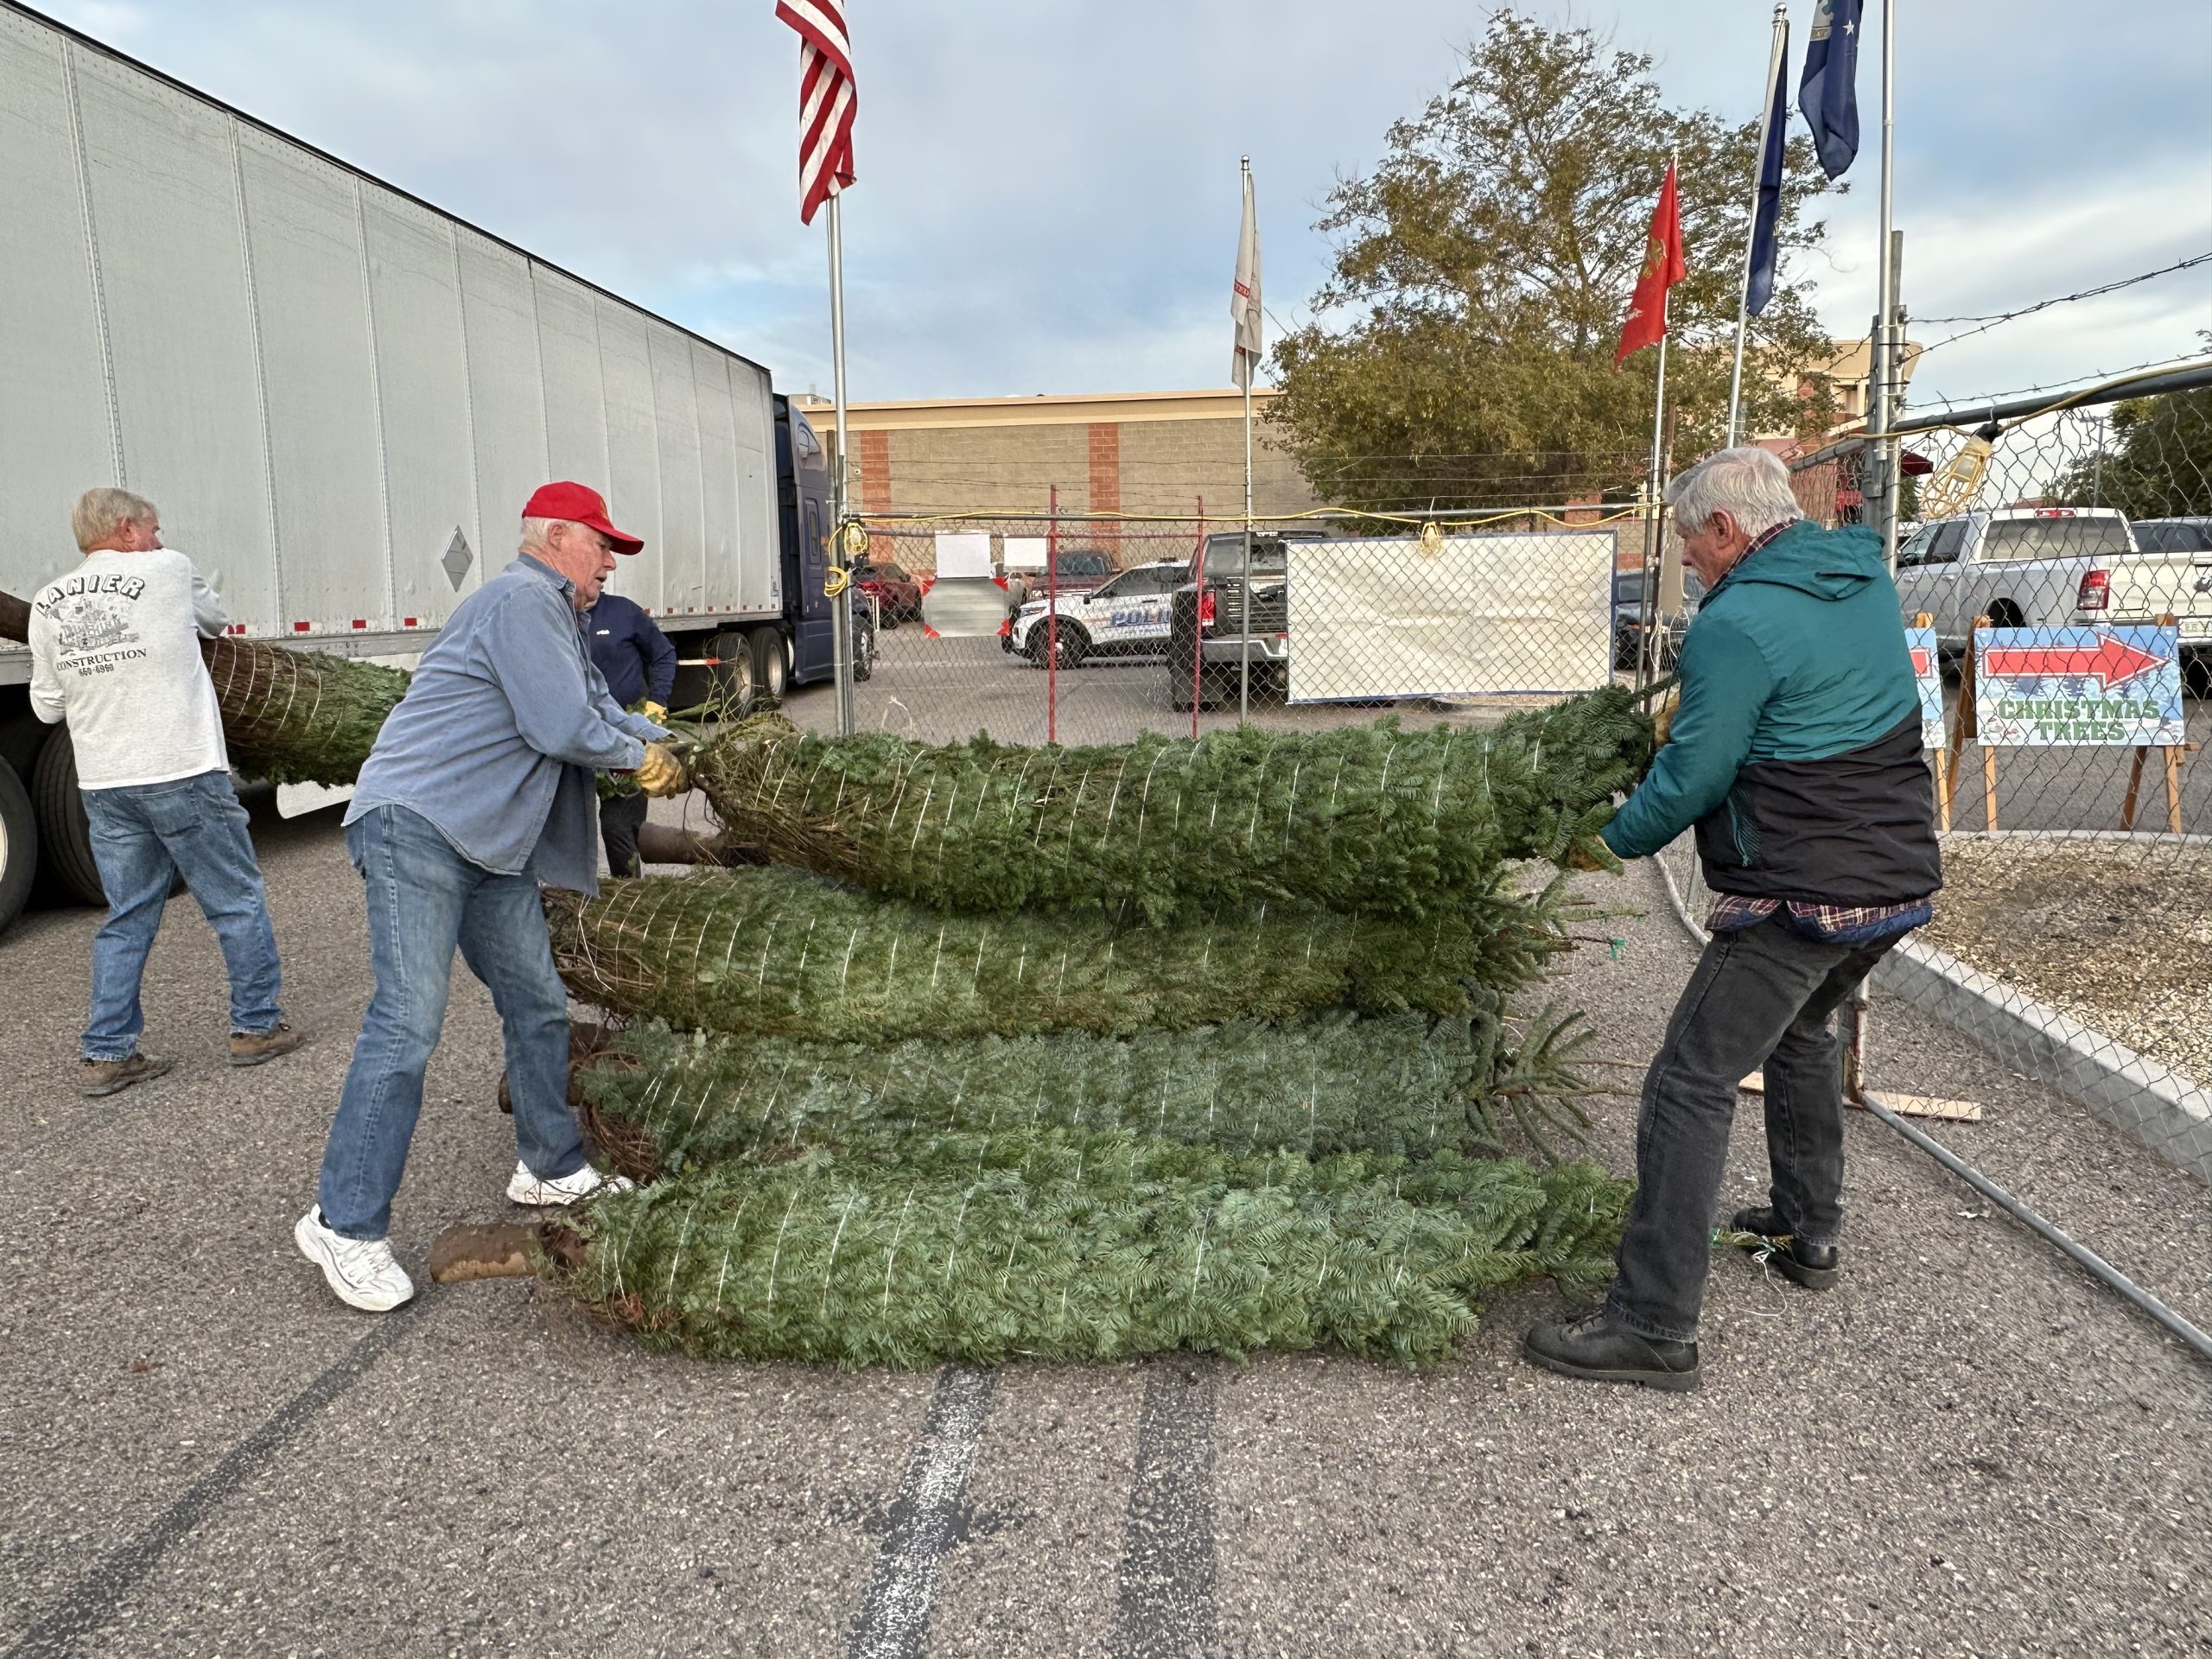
(734, 686)
(2196, 674)
(772, 665)
(18, 845)
(65, 835)
(1074, 644)
(863, 651)
(2005, 614)
(22, 736)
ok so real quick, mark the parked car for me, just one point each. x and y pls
(898, 596)
(1070, 570)
(1206, 640)
(1628, 619)
(1124, 616)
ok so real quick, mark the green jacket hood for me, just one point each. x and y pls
(1829, 564)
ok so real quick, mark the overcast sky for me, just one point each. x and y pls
(1048, 192)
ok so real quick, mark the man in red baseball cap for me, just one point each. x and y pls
(481, 786)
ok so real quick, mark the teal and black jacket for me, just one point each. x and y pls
(1797, 750)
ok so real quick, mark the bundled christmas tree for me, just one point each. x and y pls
(289, 717)
(1361, 820)
(299, 716)
(660, 1103)
(1054, 1244)
(775, 953)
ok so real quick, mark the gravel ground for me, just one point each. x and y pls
(1967, 1449)
(2116, 934)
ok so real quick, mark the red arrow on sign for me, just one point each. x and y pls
(2113, 661)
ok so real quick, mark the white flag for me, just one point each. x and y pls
(1244, 299)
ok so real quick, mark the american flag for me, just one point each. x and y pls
(826, 100)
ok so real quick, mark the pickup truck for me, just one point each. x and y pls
(1207, 618)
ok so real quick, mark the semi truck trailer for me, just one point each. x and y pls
(340, 396)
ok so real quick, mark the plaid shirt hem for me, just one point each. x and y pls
(1832, 924)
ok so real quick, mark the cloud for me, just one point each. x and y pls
(1048, 195)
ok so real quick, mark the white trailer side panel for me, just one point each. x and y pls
(338, 397)
(429, 464)
(55, 436)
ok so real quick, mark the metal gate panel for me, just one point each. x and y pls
(303, 230)
(163, 171)
(55, 441)
(423, 394)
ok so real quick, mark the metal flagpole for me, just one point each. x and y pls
(1244, 627)
(842, 617)
(1646, 656)
(1882, 368)
(1751, 232)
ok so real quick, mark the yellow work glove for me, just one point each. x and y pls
(656, 712)
(1662, 717)
(660, 772)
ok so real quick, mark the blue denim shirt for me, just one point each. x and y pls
(497, 739)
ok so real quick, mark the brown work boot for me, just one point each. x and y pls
(110, 1077)
(253, 1048)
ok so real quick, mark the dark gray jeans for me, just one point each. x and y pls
(1763, 997)
(620, 818)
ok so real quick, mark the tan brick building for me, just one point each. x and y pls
(1135, 452)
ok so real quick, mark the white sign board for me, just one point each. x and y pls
(1025, 552)
(1482, 614)
(963, 553)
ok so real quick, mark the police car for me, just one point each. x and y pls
(1125, 617)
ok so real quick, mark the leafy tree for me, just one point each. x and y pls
(1462, 350)
(2163, 466)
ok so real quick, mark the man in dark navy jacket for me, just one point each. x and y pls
(639, 665)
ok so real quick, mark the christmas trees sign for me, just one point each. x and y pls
(1085, 1052)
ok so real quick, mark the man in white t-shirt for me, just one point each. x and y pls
(115, 651)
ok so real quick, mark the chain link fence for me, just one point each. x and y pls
(1087, 629)
(2055, 569)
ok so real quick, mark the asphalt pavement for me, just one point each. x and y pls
(1968, 1448)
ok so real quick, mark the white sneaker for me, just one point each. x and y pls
(363, 1272)
(529, 1187)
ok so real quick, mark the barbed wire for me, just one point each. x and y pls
(1986, 323)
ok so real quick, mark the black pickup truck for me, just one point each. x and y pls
(1207, 635)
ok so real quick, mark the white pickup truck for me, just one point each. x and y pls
(2031, 567)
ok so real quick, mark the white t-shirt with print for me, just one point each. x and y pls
(115, 650)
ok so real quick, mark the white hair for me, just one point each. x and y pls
(1748, 484)
(99, 514)
(537, 533)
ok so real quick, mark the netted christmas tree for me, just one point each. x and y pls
(1361, 820)
(299, 716)
(289, 717)
(658, 1102)
(774, 952)
(1055, 1243)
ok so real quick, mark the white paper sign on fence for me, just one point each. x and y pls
(963, 553)
(1025, 552)
(1484, 614)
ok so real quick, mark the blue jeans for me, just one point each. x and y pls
(424, 898)
(144, 836)
(1762, 996)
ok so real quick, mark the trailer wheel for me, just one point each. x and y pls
(735, 682)
(18, 845)
(65, 835)
(772, 664)
(22, 736)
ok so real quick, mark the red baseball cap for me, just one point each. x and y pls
(580, 505)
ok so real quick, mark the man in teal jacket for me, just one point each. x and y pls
(1795, 754)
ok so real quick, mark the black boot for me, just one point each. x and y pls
(1598, 1347)
(1814, 1266)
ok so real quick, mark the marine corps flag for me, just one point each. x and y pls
(1646, 324)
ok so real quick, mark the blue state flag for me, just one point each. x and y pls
(1828, 95)
(1774, 133)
